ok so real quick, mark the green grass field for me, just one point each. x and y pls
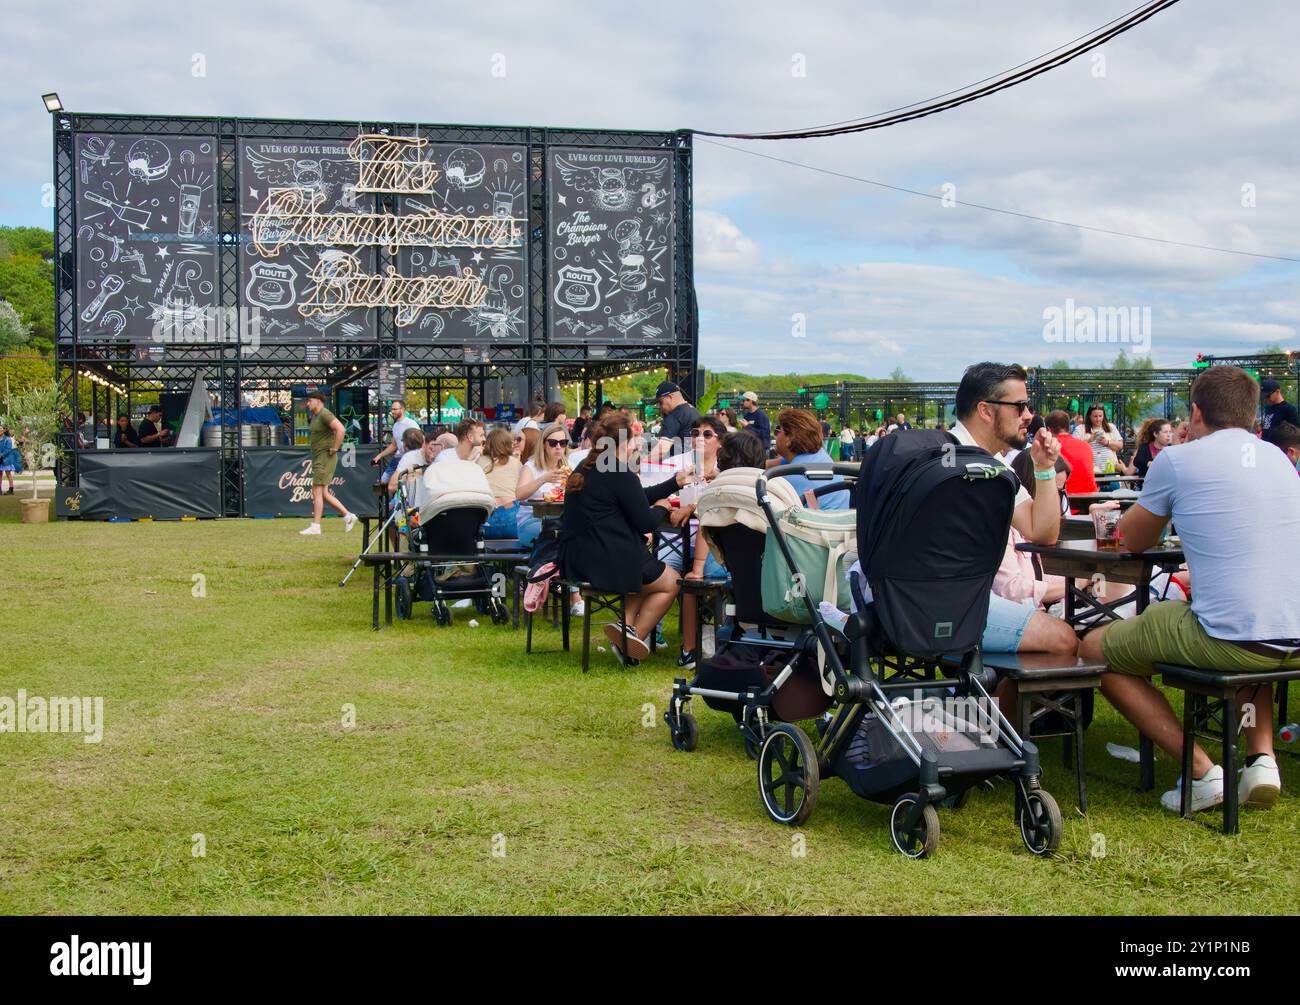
(224, 718)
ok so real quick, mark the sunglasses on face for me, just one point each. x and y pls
(555, 443)
(705, 434)
(1019, 406)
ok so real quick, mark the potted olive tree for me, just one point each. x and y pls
(34, 417)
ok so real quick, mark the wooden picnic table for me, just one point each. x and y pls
(545, 509)
(1084, 560)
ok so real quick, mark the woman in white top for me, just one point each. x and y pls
(1104, 439)
(548, 466)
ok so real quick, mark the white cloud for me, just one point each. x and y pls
(1194, 106)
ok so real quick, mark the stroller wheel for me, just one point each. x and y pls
(751, 749)
(499, 613)
(685, 733)
(923, 839)
(402, 598)
(788, 777)
(1040, 822)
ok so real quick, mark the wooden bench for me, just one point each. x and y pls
(1212, 709)
(1046, 683)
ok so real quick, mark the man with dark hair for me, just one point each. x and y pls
(1077, 453)
(579, 424)
(1279, 410)
(1236, 504)
(554, 412)
(993, 413)
(1286, 437)
(326, 442)
(152, 432)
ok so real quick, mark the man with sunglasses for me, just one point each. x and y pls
(680, 417)
(993, 413)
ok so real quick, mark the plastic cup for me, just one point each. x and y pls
(1104, 525)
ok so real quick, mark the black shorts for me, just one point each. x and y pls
(651, 569)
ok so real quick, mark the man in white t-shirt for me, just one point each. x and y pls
(1236, 503)
(401, 423)
(470, 438)
(993, 413)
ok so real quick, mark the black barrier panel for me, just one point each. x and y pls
(146, 236)
(277, 481)
(159, 484)
(610, 262)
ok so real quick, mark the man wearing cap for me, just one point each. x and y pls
(1279, 409)
(756, 419)
(680, 417)
(326, 442)
(151, 432)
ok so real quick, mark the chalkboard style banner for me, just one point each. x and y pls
(146, 210)
(314, 228)
(140, 484)
(277, 482)
(610, 261)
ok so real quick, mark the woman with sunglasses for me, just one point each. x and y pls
(607, 514)
(705, 440)
(546, 467)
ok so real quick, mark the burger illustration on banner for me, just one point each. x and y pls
(578, 288)
(465, 167)
(271, 286)
(148, 160)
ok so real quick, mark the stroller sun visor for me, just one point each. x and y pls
(730, 499)
(453, 484)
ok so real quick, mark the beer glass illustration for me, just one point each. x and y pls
(189, 209)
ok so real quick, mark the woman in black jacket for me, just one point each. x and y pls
(602, 534)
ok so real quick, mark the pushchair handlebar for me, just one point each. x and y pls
(837, 470)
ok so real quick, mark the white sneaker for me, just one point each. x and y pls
(579, 608)
(1206, 792)
(1260, 784)
(349, 521)
(311, 529)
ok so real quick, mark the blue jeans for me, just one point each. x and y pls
(502, 524)
(528, 529)
(1006, 626)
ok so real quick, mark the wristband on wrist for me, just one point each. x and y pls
(1044, 476)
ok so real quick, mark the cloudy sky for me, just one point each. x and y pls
(1189, 130)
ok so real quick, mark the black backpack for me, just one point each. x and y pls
(933, 520)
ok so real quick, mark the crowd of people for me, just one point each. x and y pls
(1201, 474)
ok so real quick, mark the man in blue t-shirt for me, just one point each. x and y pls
(1235, 502)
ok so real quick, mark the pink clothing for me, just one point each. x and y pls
(1015, 579)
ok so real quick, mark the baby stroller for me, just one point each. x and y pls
(767, 667)
(444, 521)
(933, 518)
